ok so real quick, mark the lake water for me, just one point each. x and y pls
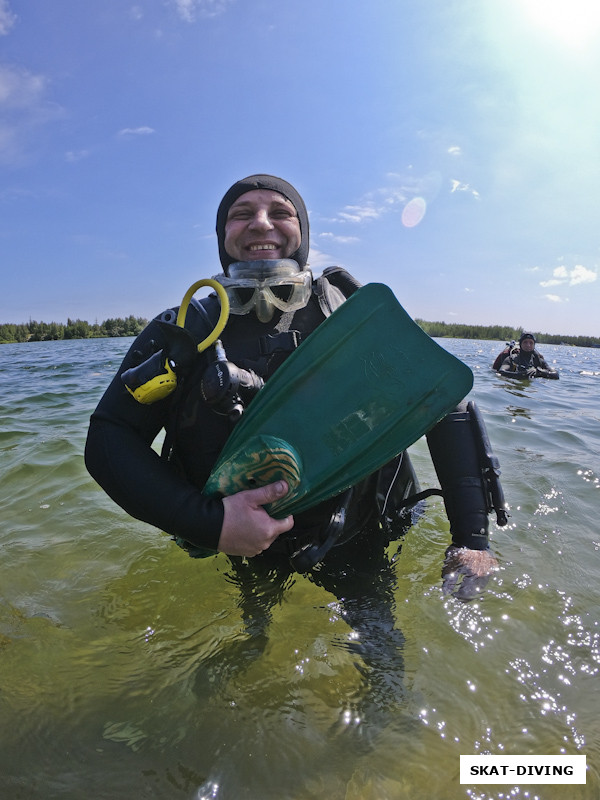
(107, 627)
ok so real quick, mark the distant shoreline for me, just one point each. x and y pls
(32, 331)
(12, 333)
(444, 330)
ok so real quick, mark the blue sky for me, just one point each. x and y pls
(448, 148)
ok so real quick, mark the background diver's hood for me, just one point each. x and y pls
(527, 336)
(263, 182)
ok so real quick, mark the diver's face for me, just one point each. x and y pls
(262, 224)
(527, 345)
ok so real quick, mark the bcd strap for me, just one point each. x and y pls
(285, 341)
(341, 279)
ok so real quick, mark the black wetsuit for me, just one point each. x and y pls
(167, 492)
(520, 361)
(359, 570)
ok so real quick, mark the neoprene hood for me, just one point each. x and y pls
(262, 182)
(526, 336)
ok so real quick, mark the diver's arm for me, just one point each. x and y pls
(546, 373)
(542, 368)
(455, 454)
(119, 456)
(139, 481)
(136, 478)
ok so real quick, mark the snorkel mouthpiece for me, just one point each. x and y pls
(265, 285)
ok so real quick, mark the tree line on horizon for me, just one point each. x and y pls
(33, 331)
(442, 330)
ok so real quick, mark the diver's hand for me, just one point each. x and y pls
(531, 372)
(465, 572)
(247, 528)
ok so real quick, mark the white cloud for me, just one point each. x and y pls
(19, 88)
(319, 260)
(400, 191)
(381, 201)
(554, 298)
(144, 130)
(359, 213)
(581, 274)
(185, 9)
(408, 185)
(23, 107)
(457, 186)
(72, 156)
(551, 282)
(7, 18)
(572, 277)
(189, 10)
(455, 150)
(339, 239)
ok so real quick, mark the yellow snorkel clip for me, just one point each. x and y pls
(156, 378)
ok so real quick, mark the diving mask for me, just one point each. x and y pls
(266, 285)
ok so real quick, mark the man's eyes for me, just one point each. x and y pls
(280, 214)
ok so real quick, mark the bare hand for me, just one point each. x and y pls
(247, 528)
(466, 572)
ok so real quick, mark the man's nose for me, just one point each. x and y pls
(261, 221)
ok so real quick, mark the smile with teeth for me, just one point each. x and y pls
(254, 247)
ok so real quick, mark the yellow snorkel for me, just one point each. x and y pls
(223, 317)
(156, 378)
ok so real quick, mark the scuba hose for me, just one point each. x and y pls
(156, 378)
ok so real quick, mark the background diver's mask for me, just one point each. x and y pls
(266, 285)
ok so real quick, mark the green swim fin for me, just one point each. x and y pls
(365, 385)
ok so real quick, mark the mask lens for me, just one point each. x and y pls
(283, 292)
(243, 294)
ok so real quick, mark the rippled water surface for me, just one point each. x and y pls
(117, 678)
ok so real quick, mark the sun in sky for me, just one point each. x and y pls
(573, 22)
